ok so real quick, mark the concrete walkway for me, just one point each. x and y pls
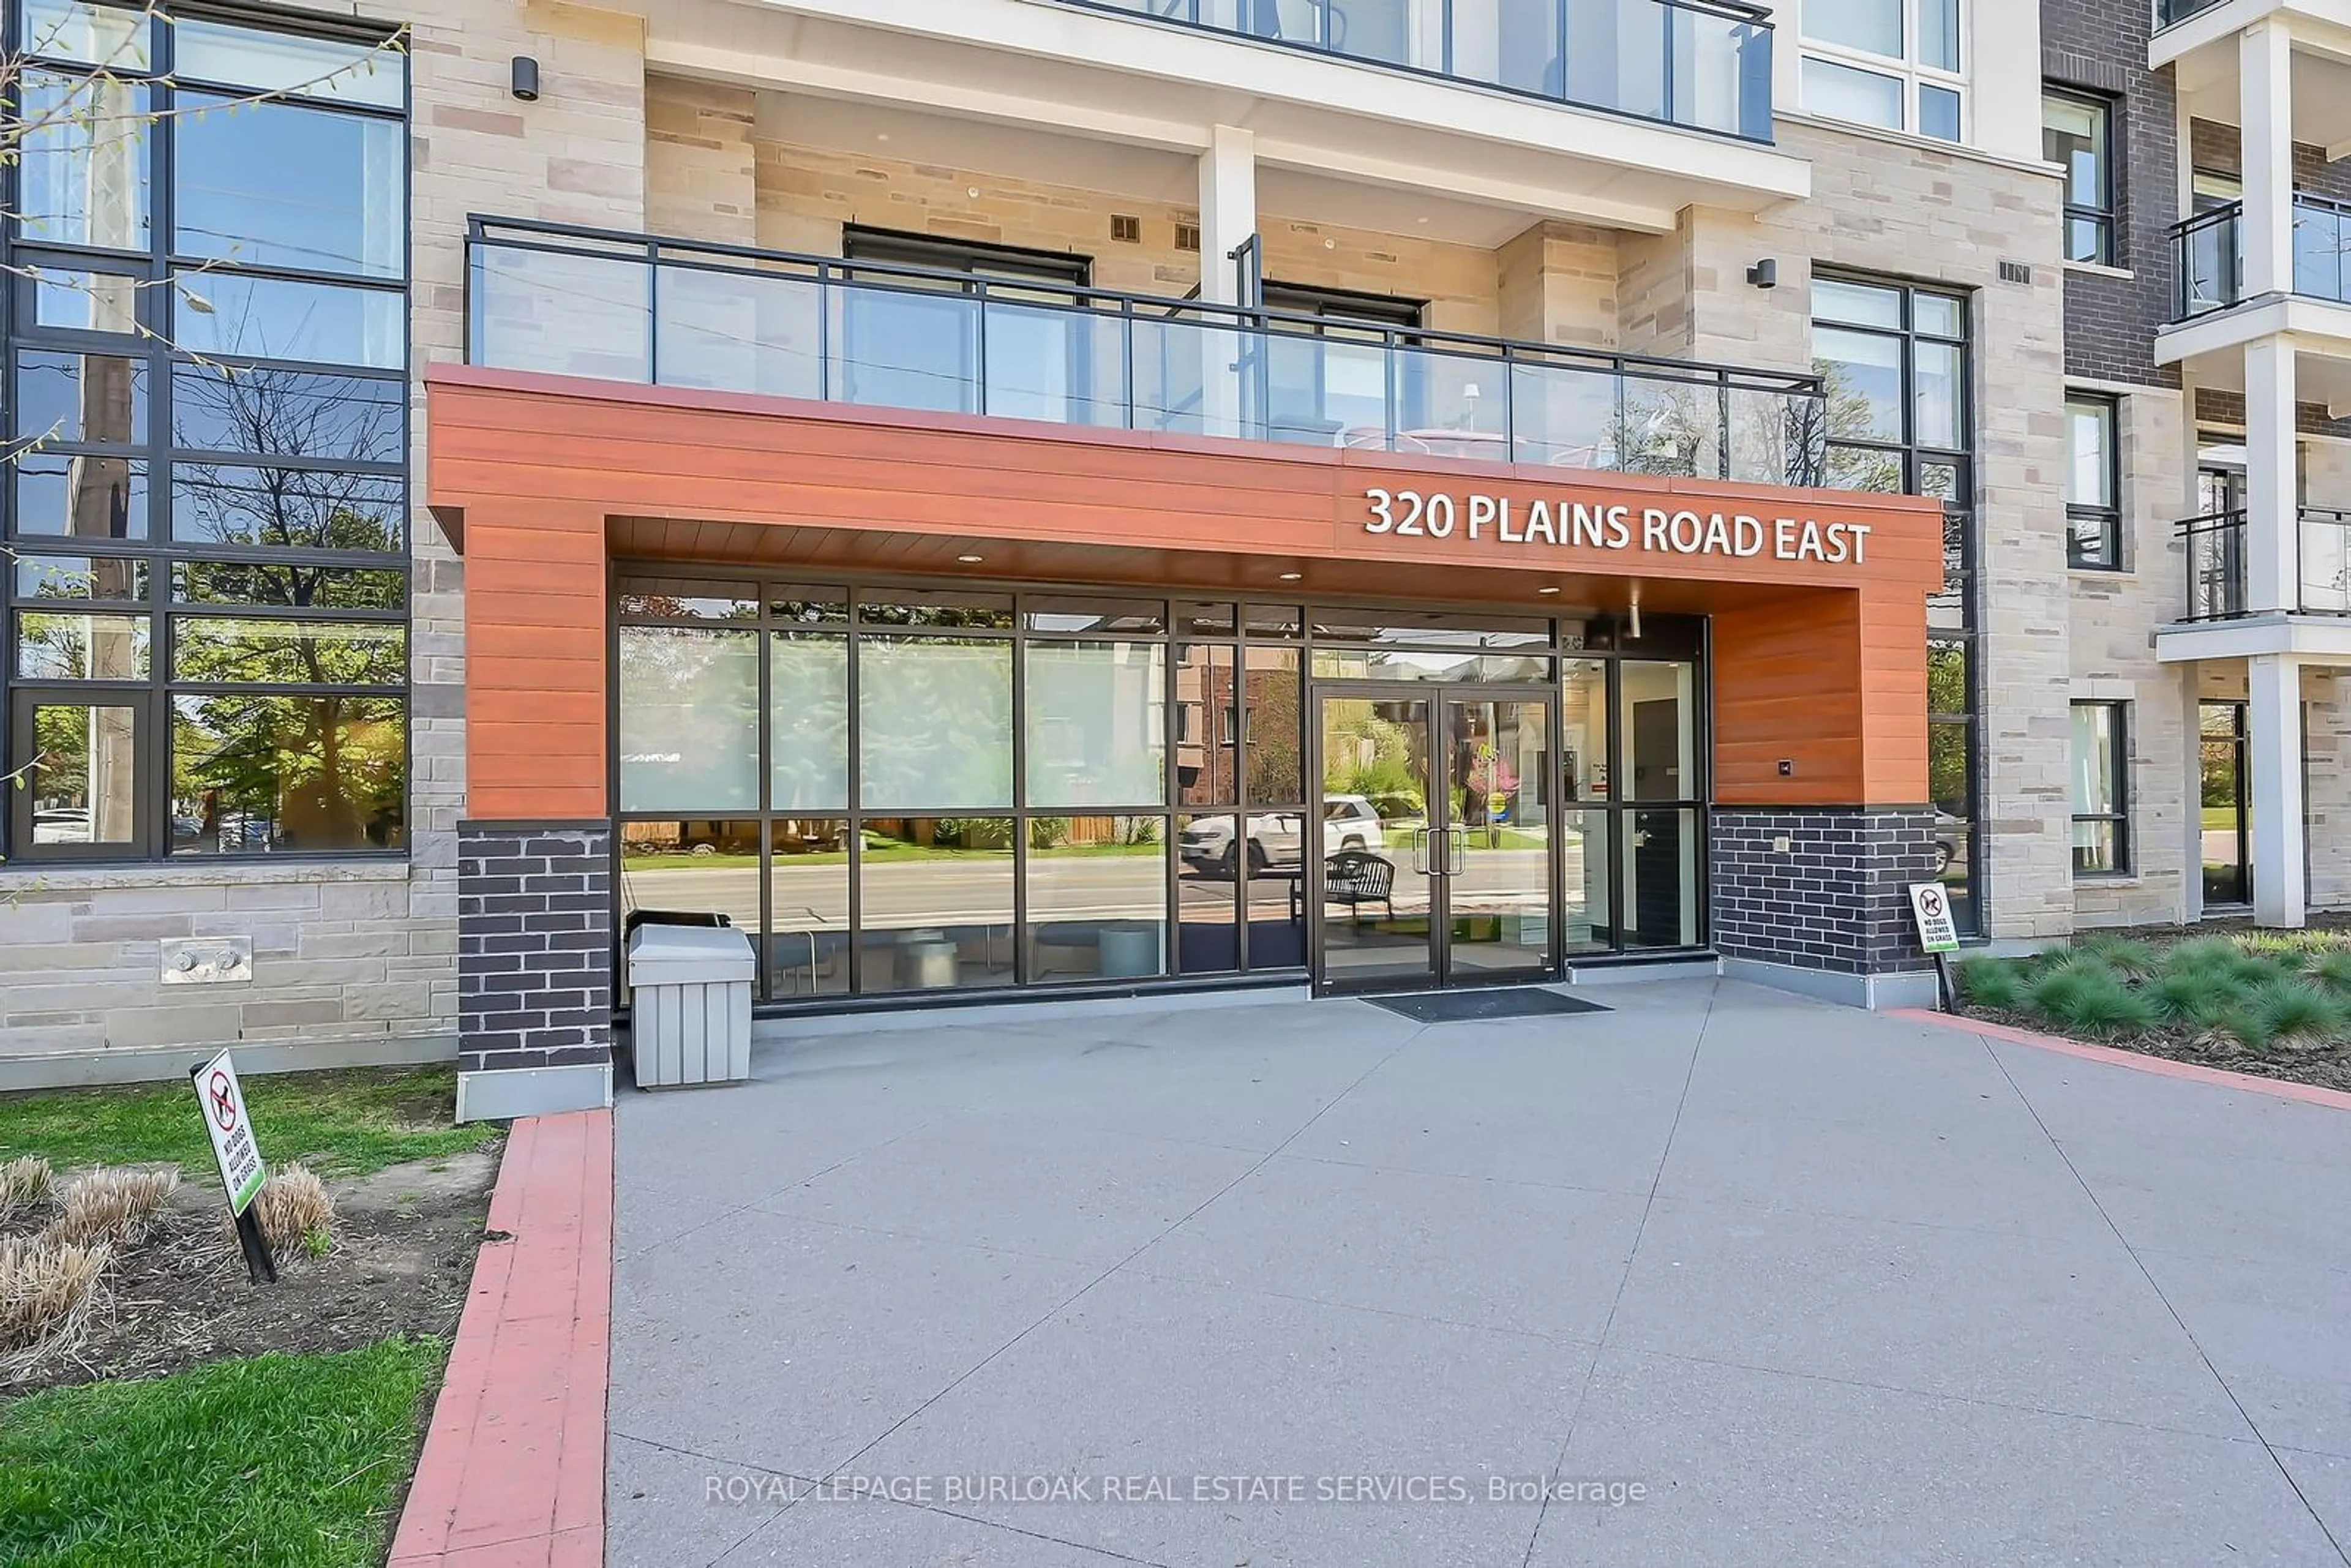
(1720, 1277)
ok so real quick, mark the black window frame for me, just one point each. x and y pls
(985, 261)
(2117, 813)
(2093, 533)
(1918, 468)
(1345, 308)
(163, 278)
(2103, 221)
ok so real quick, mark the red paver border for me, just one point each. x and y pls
(513, 1470)
(2137, 1062)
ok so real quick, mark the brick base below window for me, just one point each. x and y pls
(534, 945)
(1835, 899)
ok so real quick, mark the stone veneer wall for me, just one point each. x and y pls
(1899, 208)
(1835, 899)
(702, 137)
(353, 960)
(2113, 616)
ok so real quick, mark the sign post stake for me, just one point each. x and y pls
(1938, 933)
(222, 1100)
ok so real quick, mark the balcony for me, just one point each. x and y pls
(2216, 566)
(2171, 13)
(1703, 65)
(631, 307)
(2208, 249)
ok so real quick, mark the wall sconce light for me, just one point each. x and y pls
(1764, 274)
(524, 82)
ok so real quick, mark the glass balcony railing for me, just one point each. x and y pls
(2217, 575)
(669, 313)
(1702, 64)
(2168, 13)
(2209, 249)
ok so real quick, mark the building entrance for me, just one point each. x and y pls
(1436, 836)
(1471, 835)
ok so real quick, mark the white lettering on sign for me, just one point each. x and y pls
(1579, 525)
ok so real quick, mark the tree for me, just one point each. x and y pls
(88, 106)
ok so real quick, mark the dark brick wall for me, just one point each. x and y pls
(2219, 150)
(534, 944)
(2227, 409)
(2099, 48)
(1835, 899)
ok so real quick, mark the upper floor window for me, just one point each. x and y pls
(203, 589)
(2077, 134)
(1892, 63)
(2093, 516)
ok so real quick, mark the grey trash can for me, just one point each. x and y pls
(690, 1014)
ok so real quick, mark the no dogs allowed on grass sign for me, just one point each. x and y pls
(231, 1131)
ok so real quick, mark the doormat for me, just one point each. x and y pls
(1476, 1007)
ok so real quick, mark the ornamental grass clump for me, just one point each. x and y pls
(292, 1207)
(2288, 1015)
(111, 1206)
(2333, 970)
(48, 1290)
(24, 1185)
(2132, 959)
(2192, 998)
(1989, 982)
(2083, 994)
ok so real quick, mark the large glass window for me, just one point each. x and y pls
(926, 788)
(2093, 518)
(1897, 64)
(2075, 133)
(903, 789)
(1897, 366)
(232, 677)
(2101, 764)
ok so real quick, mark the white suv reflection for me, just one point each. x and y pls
(1279, 838)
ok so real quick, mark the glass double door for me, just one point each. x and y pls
(1430, 853)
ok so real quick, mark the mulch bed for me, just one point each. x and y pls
(2322, 1069)
(401, 1262)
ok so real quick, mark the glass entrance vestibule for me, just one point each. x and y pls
(911, 792)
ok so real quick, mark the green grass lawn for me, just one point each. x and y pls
(2220, 818)
(278, 1461)
(338, 1123)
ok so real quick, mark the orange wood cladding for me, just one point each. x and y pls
(1819, 663)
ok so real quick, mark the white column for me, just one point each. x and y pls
(1228, 220)
(2272, 561)
(1227, 209)
(2265, 86)
(2274, 720)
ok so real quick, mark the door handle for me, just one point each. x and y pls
(1420, 865)
(1457, 850)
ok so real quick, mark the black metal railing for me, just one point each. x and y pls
(631, 307)
(2209, 251)
(2169, 13)
(1705, 64)
(2219, 573)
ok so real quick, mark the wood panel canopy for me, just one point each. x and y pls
(1819, 598)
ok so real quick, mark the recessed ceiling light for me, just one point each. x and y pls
(1420, 220)
(1546, 590)
(881, 136)
(971, 559)
(1292, 576)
